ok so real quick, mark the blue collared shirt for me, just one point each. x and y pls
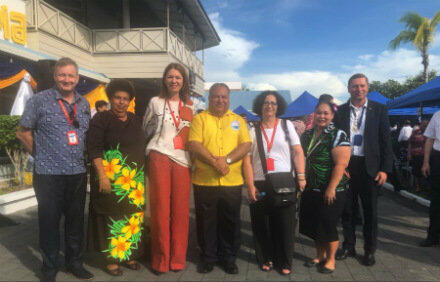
(49, 125)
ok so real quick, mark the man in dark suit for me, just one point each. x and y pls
(367, 125)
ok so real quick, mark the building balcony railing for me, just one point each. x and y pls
(44, 17)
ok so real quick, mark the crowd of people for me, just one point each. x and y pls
(340, 155)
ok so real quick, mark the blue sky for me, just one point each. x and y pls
(312, 45)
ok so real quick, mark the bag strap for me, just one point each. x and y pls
(260, 147)
(286, 133)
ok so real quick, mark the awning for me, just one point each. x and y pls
(23, 52)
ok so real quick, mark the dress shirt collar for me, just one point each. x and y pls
(364, 106)
(59, 97)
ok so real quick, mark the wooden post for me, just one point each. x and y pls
(126, 13)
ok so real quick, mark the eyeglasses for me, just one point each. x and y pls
(72, 117)
(270, 104)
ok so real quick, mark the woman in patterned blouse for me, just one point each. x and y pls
(327, 151)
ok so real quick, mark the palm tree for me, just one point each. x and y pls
(420, 32)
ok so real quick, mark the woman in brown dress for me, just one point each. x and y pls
(115, 144)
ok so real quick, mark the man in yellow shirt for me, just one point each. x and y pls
(219, 139)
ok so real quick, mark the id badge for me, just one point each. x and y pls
(270, 164)
(357, 140)
(178, 143)
(72, 138)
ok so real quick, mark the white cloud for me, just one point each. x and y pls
(316, 82)
(224, 61)
(398, 65)
(261, 86)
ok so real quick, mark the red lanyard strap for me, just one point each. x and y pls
(269, 144)
(176, 122)
(69, 119)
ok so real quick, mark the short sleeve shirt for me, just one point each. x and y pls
(280, 151)
(45, 117)
(433, 130)
(319, 161)
(220, 136)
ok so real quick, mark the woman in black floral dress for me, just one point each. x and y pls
(327, 151)
(115, 144)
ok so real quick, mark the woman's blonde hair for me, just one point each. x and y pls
(184, 91)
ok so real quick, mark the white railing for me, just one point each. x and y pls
(53, 21)
(44, 17)
(137, 40)
(184, 54)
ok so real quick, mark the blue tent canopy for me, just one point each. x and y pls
(250, 117)
(428, 94)
(412, 111)
(304, 105)
(377, 97)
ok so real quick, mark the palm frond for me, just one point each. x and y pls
(435, 20)
(423, 34)
(403, 37)
(412, 20)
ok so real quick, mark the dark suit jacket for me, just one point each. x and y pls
(377, 141)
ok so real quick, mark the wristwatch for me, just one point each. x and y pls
(228, 160)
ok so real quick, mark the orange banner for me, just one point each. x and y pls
(16, 78)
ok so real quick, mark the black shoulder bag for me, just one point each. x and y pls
(280, 186)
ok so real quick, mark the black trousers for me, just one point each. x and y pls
(273, 233)
(364, 187)
(57, 195)
(218, 222)
(434, 208)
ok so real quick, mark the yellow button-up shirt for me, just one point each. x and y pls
(220, 136)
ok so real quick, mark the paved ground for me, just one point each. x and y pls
(401, 226)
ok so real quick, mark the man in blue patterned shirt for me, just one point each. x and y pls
(52, 129)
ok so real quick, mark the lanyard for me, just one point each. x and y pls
(359, 122)
(269, 144)
(313, 145)
(69, 120)
(176, 122)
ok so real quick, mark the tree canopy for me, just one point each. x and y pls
(392, 88)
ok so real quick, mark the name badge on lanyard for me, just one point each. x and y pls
(72, 136)
(270, 162)
(358, 138)
(177, 140)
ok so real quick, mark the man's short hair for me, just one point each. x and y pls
(217, 85)
(357, 75)
(65, 61)
(100, 103)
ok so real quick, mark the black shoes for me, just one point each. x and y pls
(312, 263)
(205, 267)
(428, 243)
(230, 267)
(48, 277)
(324, 270)
(343, 253)
(368, 259)
(80, 273)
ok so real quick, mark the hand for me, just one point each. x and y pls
(347, 174)
(329, 196)
(381, 177)
(104, 185)
(252, 191)
(221, 165)
(426, 169)
(302, 184)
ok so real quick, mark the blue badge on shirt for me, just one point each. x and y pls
(357, 140)
(235, 125)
